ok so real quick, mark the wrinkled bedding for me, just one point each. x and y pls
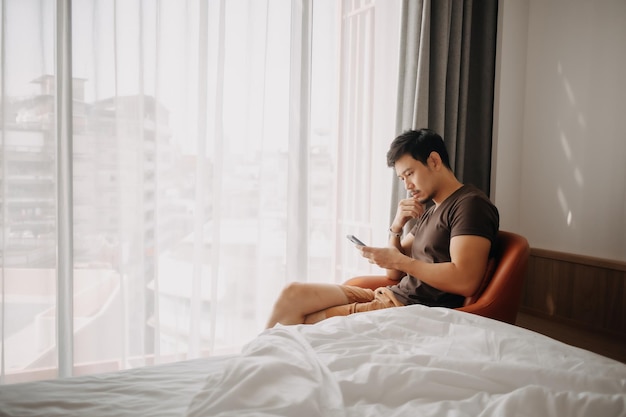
(157, 391)
(412, 361)
(405, 361)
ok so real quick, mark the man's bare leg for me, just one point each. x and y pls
(298, 300)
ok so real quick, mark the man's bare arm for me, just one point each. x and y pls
(462, 275)
(404, 246)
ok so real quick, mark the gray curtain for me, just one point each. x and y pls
(446, 81)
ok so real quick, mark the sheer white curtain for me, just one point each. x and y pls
(218, 150)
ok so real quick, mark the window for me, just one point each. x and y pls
(194, 201)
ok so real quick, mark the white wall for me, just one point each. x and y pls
(560, 156)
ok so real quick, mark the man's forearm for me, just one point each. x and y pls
(396, 241)
(445, 276)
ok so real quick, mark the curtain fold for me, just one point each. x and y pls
(65, 235)
(446, 81)
(299, 139)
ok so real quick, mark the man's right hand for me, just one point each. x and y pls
(408, 208)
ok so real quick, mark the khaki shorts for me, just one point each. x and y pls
(363, 299)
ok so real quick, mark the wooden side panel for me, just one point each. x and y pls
(578, 290)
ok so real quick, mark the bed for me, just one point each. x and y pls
(404, 361)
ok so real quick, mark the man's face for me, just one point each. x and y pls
(417, 177)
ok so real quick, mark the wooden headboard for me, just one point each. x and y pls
(577, 290)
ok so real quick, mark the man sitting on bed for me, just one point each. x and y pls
(438, 263)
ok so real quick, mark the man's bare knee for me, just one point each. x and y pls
(286, 309)
(292, 292)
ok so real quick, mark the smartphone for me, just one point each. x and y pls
(355, 240)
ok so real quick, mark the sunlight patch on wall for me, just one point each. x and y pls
(565, 144)
(564, 206)
(582, 121)
(567, 86)
(578, 176)
(567, 150)
(562, 199)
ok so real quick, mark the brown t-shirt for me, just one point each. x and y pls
(467, 211)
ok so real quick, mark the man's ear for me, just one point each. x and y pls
(434, 160)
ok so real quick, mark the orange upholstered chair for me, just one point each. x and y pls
(500, 293)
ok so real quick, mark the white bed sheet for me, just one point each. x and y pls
(406, 361)
(160, 391)
(412, 361)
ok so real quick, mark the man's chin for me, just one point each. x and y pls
(425, 201)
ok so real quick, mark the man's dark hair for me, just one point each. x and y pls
(419, 144)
